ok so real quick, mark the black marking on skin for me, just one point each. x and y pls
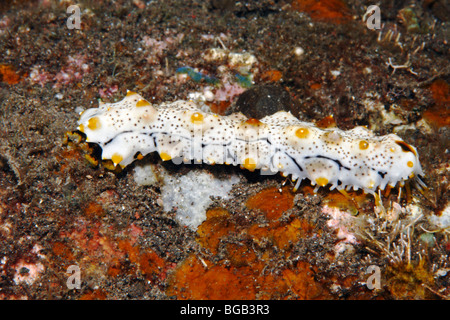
(334, 160)
(261, 139)
(406, 147)
(110, 140)
(290, 157)
(381, 173)
(296, 163)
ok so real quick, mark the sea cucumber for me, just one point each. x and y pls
(180, 131)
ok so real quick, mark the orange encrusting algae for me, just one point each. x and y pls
(204, 279)
(217, 225)
(280, 234)
(234, 269)
(94, 210)
(271, 76)
(8, 74)
(146, 262)
(439, 114)
(335, 11)
(272, 202)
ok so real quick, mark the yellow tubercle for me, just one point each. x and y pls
(363, 145)
(302, 133)
(165, 156)
(249, 164)
(94, 123)
(142, 103)
(253, 122)
(116, 158)
(197, 117)
(410, 164)
(321, 181)
(130, 93)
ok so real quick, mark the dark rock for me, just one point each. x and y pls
(263, 100)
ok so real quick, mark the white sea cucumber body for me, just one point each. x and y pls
(277, 143)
